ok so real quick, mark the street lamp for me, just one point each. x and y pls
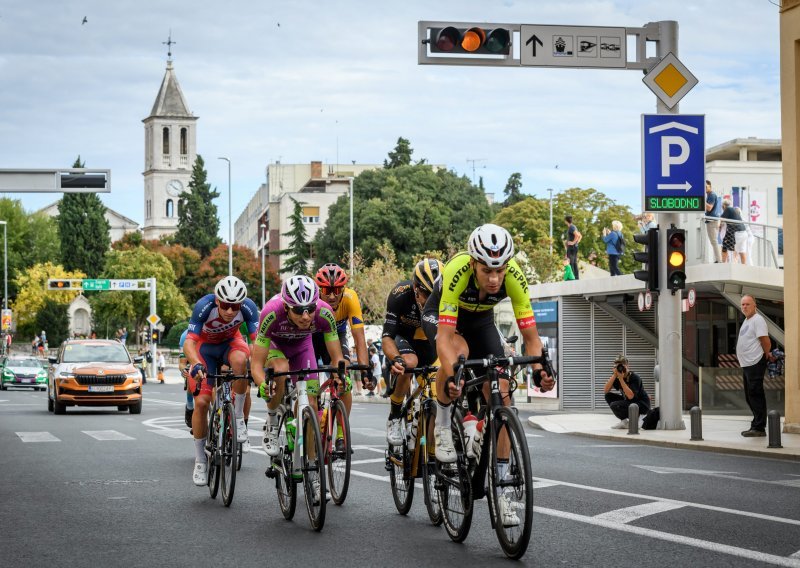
(230, 226)
(551, 221)
(263, 254)
(5, 264)
(351, 227)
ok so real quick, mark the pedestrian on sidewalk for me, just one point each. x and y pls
(162, 364)
(572, 238)
(753, 350)
(713, 210)
(631, 391)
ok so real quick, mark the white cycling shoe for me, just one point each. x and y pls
(270, 440)
(394, 432)
(200, 474)
(246, 446)
(241, 430)
(507, 513)
(445, 452)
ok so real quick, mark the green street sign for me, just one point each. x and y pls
(96, 284)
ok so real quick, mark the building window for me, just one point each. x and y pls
(184, 141)
(780, 241)
(170, 208)
(780, 201)
(147, 210)
(165, 141)
(311, 215)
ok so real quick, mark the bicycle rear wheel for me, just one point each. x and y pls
(427, 464)
(338, 461)
(211, 446)
(228, 453)
(514, 489)
(313, 469)
(454, 487)
(284, 483)
(400, 473)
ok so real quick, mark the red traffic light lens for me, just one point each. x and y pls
(447, 39)
(677, 240)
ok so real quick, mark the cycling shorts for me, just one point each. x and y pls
(425, 353)
(213, 356)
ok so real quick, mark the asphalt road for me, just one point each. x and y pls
(99, 487)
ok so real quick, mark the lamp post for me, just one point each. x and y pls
(230, 226)
(5, 264)
(351, 227)
(263, 255)
(551, 220)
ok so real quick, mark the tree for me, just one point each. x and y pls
(84, 231)
(32, 286)
(412, 208)
(198, 224)
(513, 189)
(374, 282)
(400, 156)
(530, 220)
(54, 319)
(299, 249)
(246, 266)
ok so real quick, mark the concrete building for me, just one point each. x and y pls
(119, 224)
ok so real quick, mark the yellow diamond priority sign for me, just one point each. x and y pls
(670, 80)
(153, 319)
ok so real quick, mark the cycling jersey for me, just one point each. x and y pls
(349, 310)
(404, 323)
(206, 324)
(459, 291)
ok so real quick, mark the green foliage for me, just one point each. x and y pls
(173, 337)
(374, 282)
(246, 266)
(412, 208)
(198, 223)
(513, 189)
(400, 156)
(54, 320)
(83, 230)
(32, 284)
(298, 251)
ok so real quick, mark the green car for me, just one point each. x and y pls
(20, 371)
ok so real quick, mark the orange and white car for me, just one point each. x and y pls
(94, 372)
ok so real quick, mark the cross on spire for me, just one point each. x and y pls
(169, 43)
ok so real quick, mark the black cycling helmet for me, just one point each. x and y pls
(425, 272)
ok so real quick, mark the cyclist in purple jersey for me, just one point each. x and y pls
(284, 343)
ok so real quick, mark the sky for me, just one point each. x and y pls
(301, 81)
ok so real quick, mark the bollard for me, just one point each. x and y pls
(696, 416)
(633, 419)
(774, 429)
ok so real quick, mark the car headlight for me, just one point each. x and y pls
(7, 373)
(135, 376)
(66, 375)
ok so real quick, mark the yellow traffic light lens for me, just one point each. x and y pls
(473, 39)
(676, 259)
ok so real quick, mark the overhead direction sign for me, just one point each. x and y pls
(96, 284)
(670, 80)
(673, 162)
(573, 46)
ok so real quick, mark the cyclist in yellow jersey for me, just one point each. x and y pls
(458, 318)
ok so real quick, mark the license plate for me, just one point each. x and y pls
(27, 380)
(101, 388)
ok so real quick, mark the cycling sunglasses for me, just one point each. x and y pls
(331, 290)
(300, 310)
(229, 306)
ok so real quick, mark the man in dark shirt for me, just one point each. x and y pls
(573, 238)
(631, 391)
(713, 209)
(735, 239)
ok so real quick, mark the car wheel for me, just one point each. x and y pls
(49, 404)
(59, 407)
(3, 386)
(136, 408)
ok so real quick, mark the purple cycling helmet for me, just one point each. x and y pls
(299, 290)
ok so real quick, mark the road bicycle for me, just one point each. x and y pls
(335, 428)
(461, 483)
(221, 445)
(414, 458)
(301, 457)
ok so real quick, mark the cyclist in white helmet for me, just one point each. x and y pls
(214, 340)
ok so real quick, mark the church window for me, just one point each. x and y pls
(165, 141)
(170, 208)
(184, 141)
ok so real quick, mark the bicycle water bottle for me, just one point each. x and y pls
(412, 432)
(470, 424)
(478, 439)
(291, 430)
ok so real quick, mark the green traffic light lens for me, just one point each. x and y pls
(498, 41)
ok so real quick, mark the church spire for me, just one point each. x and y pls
(170, 101)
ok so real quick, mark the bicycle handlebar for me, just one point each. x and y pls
(493, 361)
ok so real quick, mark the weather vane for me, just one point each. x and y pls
(169, 43)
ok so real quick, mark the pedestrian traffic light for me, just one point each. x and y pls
(464, 38)
(676, 259)
(649, 258)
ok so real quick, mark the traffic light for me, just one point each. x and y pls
(649, 258)
(59, 284)
(676, 259)
(471, 39)
(155, 335)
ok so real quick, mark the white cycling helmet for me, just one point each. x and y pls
(230, 289)
(299, 290)
(491, 245)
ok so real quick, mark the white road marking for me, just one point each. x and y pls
(37, 437)
(795, 555)
(609, 446)
(374, 460)
(630, 514)
(678, 539)
(534, 436)
(543, 484)
(384, 478)
(723, 474)
(107, 435)
(369, 432)
(169, 402)
(172, 433)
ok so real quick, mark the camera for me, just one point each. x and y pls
(620, 368)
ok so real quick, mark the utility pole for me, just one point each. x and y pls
(473, 160)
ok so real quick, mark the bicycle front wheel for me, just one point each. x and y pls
(284, 483)
(313, 469)
(228, 453)
(510, 484)
(454, 486)
(427, 417)
(338, 452)
(211, 447)
(400, 473)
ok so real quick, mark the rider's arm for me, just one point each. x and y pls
(260, 346)
(327, 324)
(455, 277)
(391, 327)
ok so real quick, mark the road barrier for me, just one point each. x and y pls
(696, 416)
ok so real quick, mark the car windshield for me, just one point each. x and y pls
(24, 363)
(88, 353)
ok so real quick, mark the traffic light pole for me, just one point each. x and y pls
(670, 336)
(152, 367)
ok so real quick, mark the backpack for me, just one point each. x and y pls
(650, 421)
(621, 243)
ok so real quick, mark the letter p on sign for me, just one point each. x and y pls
(667, 159)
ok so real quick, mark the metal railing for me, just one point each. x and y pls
(762, 249)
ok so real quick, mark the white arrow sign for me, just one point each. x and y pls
(686, 186)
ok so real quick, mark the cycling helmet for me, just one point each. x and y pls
(331, 276)
(299, 290)
(230, 289)
(490, 244)
(425, 272)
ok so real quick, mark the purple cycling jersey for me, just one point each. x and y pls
(275, 329)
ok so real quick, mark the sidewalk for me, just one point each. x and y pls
(720, 434)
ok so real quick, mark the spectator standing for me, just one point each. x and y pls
(615, 246)
(631, 391)
(647, 222)
(753, 353)
(735, 239)
(713, 209)
(143, 365)
(375, 361)
(35, 345)
(573, 238)
(568, 274)
(162, 364)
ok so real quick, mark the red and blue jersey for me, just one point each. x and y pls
(206, 324)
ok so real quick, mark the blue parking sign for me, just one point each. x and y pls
(673, 162)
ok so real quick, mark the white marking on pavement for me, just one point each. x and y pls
(107, 435)
(630, 514)
(534, 436)
(608, 446)
(374, 460)
(678, 539)
(384, 478)
(169, 402)
(795, 555)
(172, 433)
(543, 484)
(722, 474)
(20, 404)
(37, 437)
